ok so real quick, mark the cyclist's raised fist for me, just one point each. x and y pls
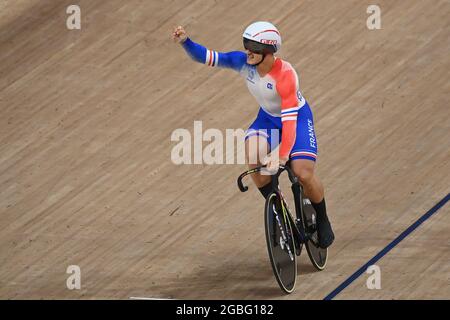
(179, 34)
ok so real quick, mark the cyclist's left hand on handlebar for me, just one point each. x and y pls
(273, 163)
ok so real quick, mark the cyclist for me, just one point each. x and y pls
(275, 85)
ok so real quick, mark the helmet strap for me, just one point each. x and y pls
(264, 56)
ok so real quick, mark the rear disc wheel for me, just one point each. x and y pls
(317, 255)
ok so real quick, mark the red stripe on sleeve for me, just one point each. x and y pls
(287, 89)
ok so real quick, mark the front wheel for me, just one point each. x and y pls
(280, 243)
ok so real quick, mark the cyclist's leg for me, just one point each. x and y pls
(256, 148)
(312, 186)
(303, 157)
(313, 189)
(304, 153)
(261, 137)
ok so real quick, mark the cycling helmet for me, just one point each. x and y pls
(262, 38)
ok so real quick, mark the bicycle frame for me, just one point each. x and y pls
(296, 190)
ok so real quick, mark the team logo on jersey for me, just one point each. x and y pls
(269, 86)
(312, 136)
(251, 75)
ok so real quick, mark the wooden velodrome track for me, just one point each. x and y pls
(85, 171)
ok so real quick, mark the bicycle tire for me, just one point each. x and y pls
(284, 264)
(317, 255)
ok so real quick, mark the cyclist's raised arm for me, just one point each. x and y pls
(233, 60)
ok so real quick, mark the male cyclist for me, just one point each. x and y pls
(274, 84)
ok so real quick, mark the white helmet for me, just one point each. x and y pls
(262, 37)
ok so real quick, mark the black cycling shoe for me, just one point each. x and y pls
(325, 234)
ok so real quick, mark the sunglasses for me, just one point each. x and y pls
(255, 47)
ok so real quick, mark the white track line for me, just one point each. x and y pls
(144, 298)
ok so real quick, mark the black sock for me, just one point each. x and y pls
(320, 208)
(266, 190)
(324, 231)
